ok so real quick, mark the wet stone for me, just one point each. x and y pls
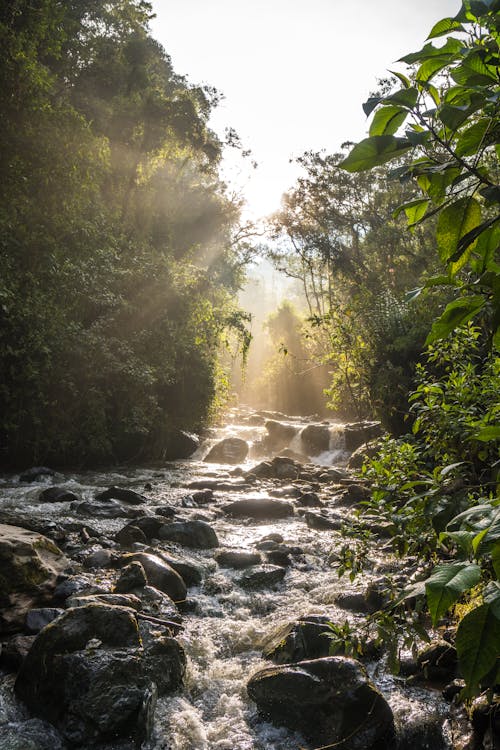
(323, 523)
(38, 618)
(330, 700)
(262, 576)
(57, 495)
(228, 451)
(33, 734)
(196, 534)
(132, 577)
(259, 508)
(237, 559)
(160, 574)
(122, 494)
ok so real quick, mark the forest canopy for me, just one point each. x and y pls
(119, 254)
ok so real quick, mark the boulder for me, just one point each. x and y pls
(160, 574)
(279, 556)
(309, 500)
(315, 438)
(357, 433)
(189, 570)
(89, 674)
(132, 577)
(57, 495)
(238, 559)
(363, 454)
(279, 435)
(105, 509)
(260, 508)
(262, 576)
(122, 494)
(38, 618)
(29, 566)
(330, 701)
(36, 473)
(437, 662)
(322, 523)
(33, 734)
(195, 534)
(111, 600)
(181, 445)
(299, 641)
(231, 450)
(13, 651)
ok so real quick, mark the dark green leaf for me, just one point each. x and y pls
(456, 313)
(455, 221)
(447, 583)
(478, 645)
(387, 120)
(374, 151)
(469, 242)
(405, 97)
(473, 138)
(370, 104)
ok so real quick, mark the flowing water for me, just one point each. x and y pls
(227, 625)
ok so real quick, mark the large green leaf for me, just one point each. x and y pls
(387, 120)
(492, 432)
(451, 49)
(430, 67)
(414, 210)
(444, 27)
(478, 644)
(455, 221)
(373, 151)
(456, 314)
(405, 97)
(473, 138)
(447, 583)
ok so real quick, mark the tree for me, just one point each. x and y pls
(449, 104)
(119, 255)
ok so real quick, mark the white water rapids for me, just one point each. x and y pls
(225, 630)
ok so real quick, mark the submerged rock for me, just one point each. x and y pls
(231, 450)
(330, 701)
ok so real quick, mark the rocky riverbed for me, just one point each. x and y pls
(187, 606)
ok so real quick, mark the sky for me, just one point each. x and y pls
(294, 73)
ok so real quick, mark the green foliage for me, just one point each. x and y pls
(453, 134)
(439, 490)
(338, 235)
(118, 257)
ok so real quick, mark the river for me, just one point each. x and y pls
(225, 624)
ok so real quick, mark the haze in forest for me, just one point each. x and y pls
(293, 74)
